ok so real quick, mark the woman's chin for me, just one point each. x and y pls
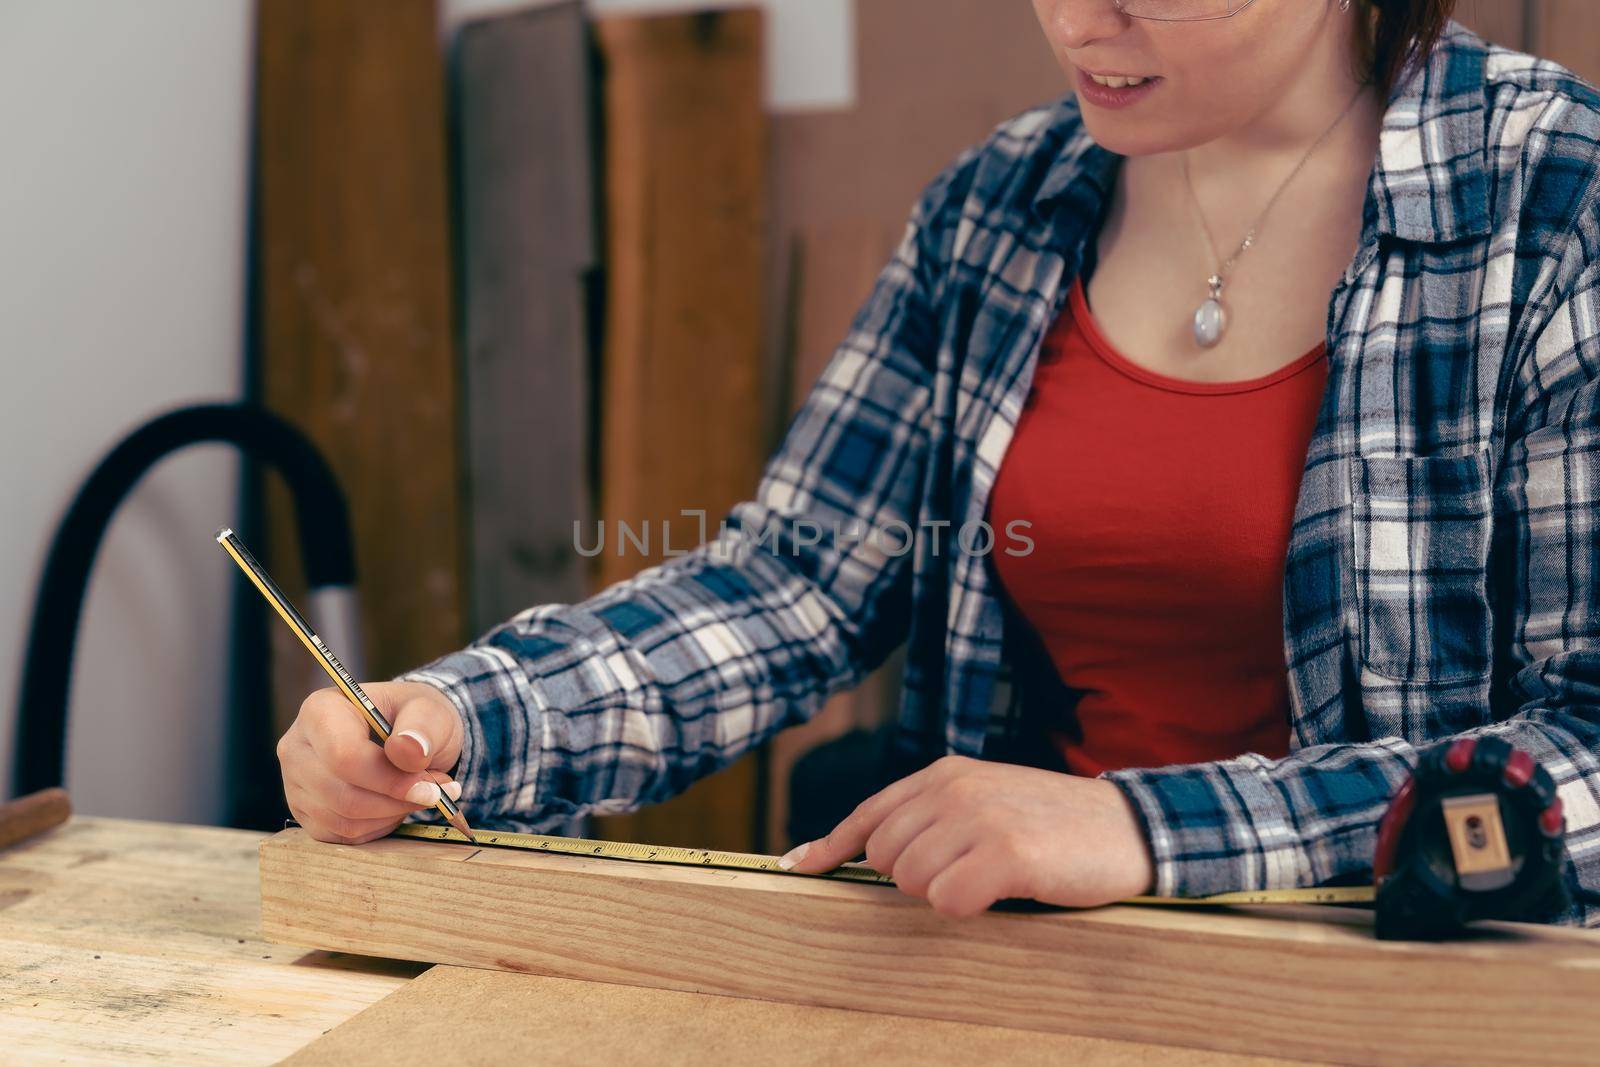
(1129, 137)
(1125, 135)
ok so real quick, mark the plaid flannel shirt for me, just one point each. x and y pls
(1441, 573)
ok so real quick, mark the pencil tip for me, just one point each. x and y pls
(460, 823)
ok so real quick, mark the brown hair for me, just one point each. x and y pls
(1391, 35)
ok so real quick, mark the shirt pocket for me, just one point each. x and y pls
(1422, 533)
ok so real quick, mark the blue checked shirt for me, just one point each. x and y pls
(1442, 565)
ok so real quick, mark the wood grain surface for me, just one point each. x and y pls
(1308, 983)
(354, 333)
(680, 416)
(525, 193)
(517, 1018)
(137, 942)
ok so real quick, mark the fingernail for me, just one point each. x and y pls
(793, 856)
(452, 790)
(425, 794)
(422, 742)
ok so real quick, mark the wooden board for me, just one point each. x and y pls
(353, 339)
(527, 243)
(680, 416)
(1297, 982)
(516, 1018)
(136, 942)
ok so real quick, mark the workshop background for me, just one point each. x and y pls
(506, 265)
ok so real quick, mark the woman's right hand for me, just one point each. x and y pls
(343, 786)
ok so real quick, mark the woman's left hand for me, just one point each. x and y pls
(964, 833)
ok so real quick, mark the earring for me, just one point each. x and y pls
(1344, 5)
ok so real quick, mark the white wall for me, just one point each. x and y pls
(122, 243)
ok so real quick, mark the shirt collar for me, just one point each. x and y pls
(1431, 179)
(1429, 183)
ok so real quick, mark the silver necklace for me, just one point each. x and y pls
(1211, 317)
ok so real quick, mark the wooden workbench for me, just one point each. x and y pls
(129, 942)
(126, 941)
(132, 941)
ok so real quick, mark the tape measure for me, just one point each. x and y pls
(623, 850)
(1476, 832)
(849, 872)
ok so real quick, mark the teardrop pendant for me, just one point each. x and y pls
(1211, 318)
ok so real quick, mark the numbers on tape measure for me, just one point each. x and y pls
(621, 850)
(850, 872)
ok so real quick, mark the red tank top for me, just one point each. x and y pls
(1160, 511)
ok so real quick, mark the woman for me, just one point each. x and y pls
(1280, 338)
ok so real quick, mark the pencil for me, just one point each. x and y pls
(323, 655)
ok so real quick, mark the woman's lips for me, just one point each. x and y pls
(1107, 97)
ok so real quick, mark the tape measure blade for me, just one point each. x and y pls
(850, 872)
(637, 853)
(1352, 894)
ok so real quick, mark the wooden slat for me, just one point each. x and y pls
(33, 814)
(1297, 982)
(136, 942)
(1568, 31)
(681, 419)
(527, 243)
(354, 326)
(509, 1016)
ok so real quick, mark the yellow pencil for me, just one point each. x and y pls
(330, 663)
